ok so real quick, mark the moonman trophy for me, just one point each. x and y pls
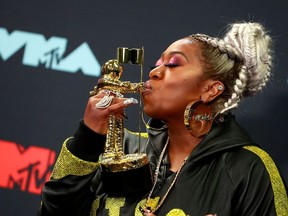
(122, 173)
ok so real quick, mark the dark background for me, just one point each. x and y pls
(41, 107)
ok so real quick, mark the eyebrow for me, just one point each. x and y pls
(177, 52)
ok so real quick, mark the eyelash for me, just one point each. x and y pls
(166, 65)
(171, 65)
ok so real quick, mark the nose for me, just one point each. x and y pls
(156, 73)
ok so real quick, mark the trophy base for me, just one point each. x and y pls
(126, 176)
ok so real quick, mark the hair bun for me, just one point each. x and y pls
(254, 44)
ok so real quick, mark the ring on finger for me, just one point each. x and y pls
(104, 102)
(109, 93)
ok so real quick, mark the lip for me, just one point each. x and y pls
(148, 85)
(148, 88)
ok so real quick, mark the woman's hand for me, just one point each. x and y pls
(96, 117)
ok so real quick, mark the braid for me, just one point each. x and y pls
(220, 44)
(233, 54)
(247, 66)
(253, 42)
(239, 87)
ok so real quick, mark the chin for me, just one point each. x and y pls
(150, 113)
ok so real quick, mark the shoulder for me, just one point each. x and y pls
(251, 166)
(254, 173)
(248, 161)
(250, 158)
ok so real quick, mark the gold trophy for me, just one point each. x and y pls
(122, 174)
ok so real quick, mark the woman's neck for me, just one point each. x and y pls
(181, 144)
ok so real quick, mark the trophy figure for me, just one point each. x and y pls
(121, 173)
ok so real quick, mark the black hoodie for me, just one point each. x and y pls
(225, 175)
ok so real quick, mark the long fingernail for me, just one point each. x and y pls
(130, 101)
(105, 91)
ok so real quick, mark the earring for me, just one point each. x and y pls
(220, 87)
(198, 118)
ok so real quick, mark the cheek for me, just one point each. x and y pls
(191, 83)
(184, 91)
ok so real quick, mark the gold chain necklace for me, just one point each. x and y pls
(147, 209)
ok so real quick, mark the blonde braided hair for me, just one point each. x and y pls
(241, 61)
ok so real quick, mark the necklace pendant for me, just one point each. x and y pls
(150, 206)
(152, 203)
(146, 212)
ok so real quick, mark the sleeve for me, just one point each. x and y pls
(68, 192)
(262, 190)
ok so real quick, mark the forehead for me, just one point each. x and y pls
(186, 46)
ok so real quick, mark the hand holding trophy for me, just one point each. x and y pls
(121, 173)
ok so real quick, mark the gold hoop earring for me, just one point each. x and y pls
(198, 118)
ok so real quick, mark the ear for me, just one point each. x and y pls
(212, 90)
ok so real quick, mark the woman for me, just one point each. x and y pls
(203, 162)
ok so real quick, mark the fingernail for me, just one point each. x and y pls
(107, 92)
(130, 101)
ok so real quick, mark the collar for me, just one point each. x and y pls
(224, 135)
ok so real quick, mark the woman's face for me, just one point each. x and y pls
(174, 82)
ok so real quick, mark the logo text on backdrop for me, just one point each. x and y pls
(50, 52)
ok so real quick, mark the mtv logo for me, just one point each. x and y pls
(25, 169)
(48, 52)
